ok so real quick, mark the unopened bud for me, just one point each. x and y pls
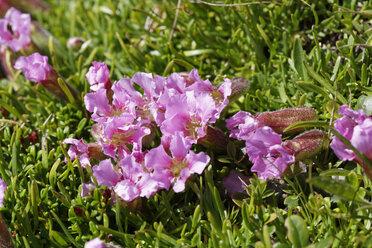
(281, 119)
(75, 42)
(106, 193)
(32, 138)
(306, 144)
(4, 6)
(238, 87)
(79, 211)
(215, 139)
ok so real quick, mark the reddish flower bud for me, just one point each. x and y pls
(306, 144)
(106, 193)
(79, 211)
(4, 112)
(238, 87)
(214, 139)
(281, 119)
(32, 138)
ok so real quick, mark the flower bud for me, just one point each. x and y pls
(75, 42)
(281, 119)
(79, 211)
(306, 144)
(238, 87)
(214, 139)
(4, 6)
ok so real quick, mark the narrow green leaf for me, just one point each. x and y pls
(306, 124)
(298, 58)
(66, 90)
(69, 237)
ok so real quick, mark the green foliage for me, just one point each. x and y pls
(312, 53)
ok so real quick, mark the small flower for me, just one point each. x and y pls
(78, 149)
(95, 243)
(266, 153)
(36, 69)
(106, 174)
(98, 75)
(180, 165)
(355, 126)
(86, 188)
(345, 126)
(15, 30)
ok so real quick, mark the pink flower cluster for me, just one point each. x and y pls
(262, 144)
(128, 113)
(355, 126)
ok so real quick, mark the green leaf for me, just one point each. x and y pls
(297, 231)
(338, 187)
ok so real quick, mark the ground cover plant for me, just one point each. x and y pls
(185, 123)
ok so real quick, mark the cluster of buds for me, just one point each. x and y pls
(262, 134)
(356, 127)
(181, 106)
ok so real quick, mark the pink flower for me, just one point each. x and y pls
(190, 114)
(136, 181)
(3, 187)
(98, 76)
(178, 167)
(86, 188)
(345, 126)
(355, 126)
(95, 243)
(106, 174)
(36, 69)
(242, 125)
(78, 149)
(15, 30)
(266, 153)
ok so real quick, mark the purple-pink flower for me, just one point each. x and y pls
(78, 149)
(98, 75)
(355, 126)
(3, 187)
(177, 165)
(346, 126)
(262, 144)
(36, 68)
(15, 30)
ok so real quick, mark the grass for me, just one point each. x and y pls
(294, 53)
